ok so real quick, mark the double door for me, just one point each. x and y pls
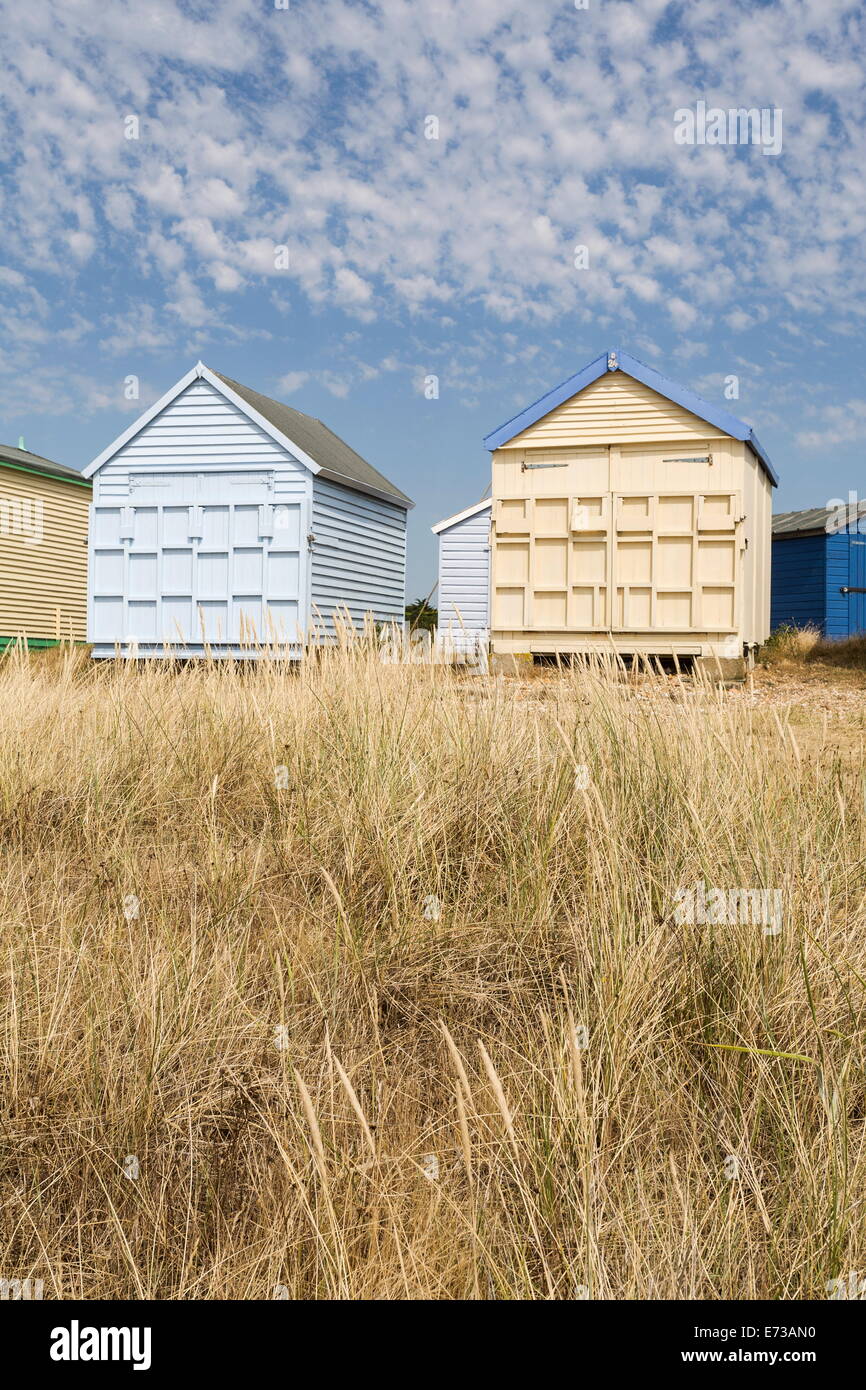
(195, 558)
(621, 562)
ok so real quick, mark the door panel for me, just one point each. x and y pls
(198, 557)
(248, 619)
(248, 575)
(287, 525)
(213, 620)
(175, 525)
(247, 525)
(282, 620)
(177, 623)
(177, 571)
(144, 526)
(213, 574)
(214, 527)
(142, 575)
(675, 561)
(625, 561)
(107, 619)
(108, 571)
(141, 621)
(283, 572)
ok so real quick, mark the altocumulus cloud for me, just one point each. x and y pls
(307, 128)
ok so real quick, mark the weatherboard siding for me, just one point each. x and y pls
(464, 577)
(614, 409)
(799, 582)
(358, 559)
(757, 558)
(43, 556)
(200, 428)
(809, 573)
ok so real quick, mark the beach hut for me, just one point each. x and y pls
(629, 515)
(464, 580)
(227, 522)
(43, 550)
(819, 570)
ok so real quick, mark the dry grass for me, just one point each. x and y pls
(333, 1090)
(805, 646)
(789, 643)
(851, 653)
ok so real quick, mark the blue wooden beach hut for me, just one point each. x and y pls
(818, 573)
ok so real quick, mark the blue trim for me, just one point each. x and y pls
(681, 395)
(752, 440)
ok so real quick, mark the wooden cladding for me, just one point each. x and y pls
(624, 562)
(43, 556)
(619, 408)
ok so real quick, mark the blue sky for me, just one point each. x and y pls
(306, 128)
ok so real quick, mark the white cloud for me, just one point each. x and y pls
(842, 424)
(351, 288)
(682, 314)
(291, 382)
(306, 128)
(225, 277)
(188, 303)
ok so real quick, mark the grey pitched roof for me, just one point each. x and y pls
(333, 455)
(35, 463)
(816, 519)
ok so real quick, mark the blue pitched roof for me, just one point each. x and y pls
(616, 361)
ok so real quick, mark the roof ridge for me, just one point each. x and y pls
(615, 360)
(322, 445)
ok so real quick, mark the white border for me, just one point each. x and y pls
(461, 516)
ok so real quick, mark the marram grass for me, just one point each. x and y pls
(365, 981)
